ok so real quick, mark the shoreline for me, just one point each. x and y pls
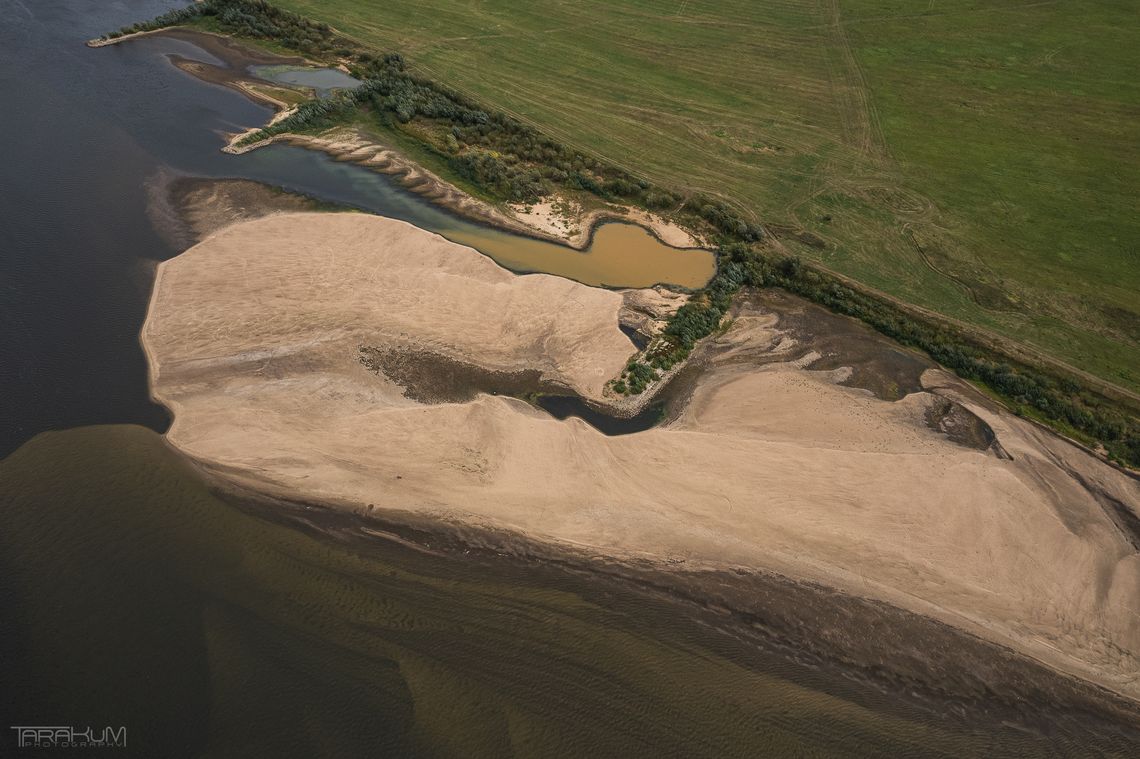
(348, 145)
(972, 335)
(158, 280)
(350, 148)
(919, 658)
(824, 624)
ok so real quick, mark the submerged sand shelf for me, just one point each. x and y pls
(254, 338)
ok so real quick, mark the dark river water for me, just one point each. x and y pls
(132, 595)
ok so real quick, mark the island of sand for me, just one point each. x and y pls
(324, 357)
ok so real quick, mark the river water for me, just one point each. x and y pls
(132, 595)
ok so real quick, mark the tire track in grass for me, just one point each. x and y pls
(860, 118)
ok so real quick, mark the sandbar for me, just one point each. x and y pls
(254, 338)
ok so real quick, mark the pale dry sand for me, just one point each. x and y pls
(253, 337)
(556, 217)
(567, 220)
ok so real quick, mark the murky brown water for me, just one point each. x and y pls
(620, 255)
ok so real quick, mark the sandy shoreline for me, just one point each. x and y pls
(345, 144)
(252, 338)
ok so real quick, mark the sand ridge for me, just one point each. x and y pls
(253, 338)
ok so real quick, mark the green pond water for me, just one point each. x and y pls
(322, 80)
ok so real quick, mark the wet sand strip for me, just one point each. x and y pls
(911, 658)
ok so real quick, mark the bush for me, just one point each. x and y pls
(637, 376)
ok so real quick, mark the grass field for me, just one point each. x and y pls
(977, 157)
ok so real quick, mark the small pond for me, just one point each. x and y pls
(322, 81)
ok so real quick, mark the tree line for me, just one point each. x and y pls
(1061, 401)
(256, 19)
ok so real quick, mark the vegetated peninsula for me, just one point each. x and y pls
(401, 117)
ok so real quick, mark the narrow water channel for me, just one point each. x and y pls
(620, 255)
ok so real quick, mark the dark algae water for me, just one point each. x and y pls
(134, 595)
(563, 406)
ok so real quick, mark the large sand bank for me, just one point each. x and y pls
(254, 338)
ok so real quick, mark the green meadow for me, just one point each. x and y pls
(977, 157)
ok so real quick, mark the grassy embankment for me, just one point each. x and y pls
(506, 160)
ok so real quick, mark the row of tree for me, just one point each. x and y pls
(1060, 401)
(170, 18)
(251, 18)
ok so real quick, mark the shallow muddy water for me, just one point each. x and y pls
(620, 255)
(136, 597)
